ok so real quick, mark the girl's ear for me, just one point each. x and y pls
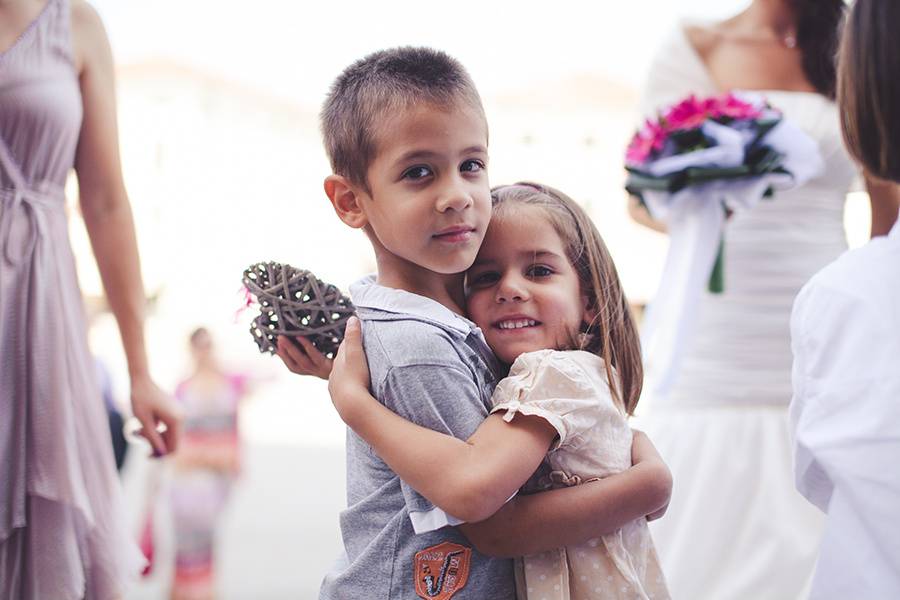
(590, 312)
(346, 199)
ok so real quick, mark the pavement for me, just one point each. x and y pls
(279, 533)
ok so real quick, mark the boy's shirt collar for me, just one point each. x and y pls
(368, 294)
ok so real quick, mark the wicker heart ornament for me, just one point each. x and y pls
(294, 302)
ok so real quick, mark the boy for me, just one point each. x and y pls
(407, 138)
(845, 330)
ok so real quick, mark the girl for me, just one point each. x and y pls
(545, 293)
(205, 467)
(845, 330)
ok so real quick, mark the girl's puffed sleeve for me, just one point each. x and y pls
(550, 384)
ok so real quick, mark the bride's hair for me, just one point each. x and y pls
(818, 30)
(868, 89)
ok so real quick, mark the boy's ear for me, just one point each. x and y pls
(345, 198)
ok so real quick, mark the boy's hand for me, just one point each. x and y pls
(643, 452)
(349, 378)
(304, 359)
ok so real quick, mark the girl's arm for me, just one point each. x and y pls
(885, 199)
(472, 480)
(529, 524)
(468, 479)
(107, 215)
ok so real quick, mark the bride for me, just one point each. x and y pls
(736, 529)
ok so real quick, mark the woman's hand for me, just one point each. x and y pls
(349, 380)
(304, 359)
(152, 407)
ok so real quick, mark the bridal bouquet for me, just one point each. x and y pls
(709, 150)
(700, 161)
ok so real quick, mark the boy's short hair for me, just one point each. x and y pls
(869, 88)
(377, 85)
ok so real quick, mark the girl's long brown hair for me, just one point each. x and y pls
(612, 334)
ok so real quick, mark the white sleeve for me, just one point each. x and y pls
(846, 422)
(809, 477)
(432, 520)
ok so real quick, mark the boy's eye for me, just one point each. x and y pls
(539, 271)
(483, 279)
(416, 173)
(472, 166)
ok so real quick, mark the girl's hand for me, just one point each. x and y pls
(153, 407)
(349, 379)
(305, 359)
(643, 452)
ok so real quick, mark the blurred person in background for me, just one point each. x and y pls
(205, 467)
(114, 416)
(63, 533)
(736, 528)
(846, 338)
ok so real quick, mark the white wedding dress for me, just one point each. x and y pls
(736, 528)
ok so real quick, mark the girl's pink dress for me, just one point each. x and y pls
(199, 493)
(62, 527)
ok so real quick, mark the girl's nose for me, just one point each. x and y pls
(511, 289)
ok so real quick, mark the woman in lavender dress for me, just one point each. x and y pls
(62, 531)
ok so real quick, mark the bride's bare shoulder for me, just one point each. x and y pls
(702, 36)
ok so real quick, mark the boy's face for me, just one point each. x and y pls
(429, 202)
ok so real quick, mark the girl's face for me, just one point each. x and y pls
(522, 290)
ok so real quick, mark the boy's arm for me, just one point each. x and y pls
(529, 524)
(468, 479)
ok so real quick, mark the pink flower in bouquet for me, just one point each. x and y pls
(649, 139)
(733, 107)
(690, 113)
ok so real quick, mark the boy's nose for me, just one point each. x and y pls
(454, 196)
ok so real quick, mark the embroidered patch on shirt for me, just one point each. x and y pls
(442, 570)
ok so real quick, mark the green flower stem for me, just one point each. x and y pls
(717, 277)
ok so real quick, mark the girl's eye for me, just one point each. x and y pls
(535, 271)
(472, 166)
(483, 279)
(416, 173)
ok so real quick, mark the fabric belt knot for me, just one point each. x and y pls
(31, 202)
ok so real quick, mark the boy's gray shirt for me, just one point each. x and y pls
(431, 367)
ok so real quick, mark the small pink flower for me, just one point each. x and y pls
(651, 138)
(248, 301)
(690, 113)
(735, 108)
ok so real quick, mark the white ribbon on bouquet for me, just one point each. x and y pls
(695, 218)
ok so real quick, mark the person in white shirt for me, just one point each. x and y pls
(845, 327)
